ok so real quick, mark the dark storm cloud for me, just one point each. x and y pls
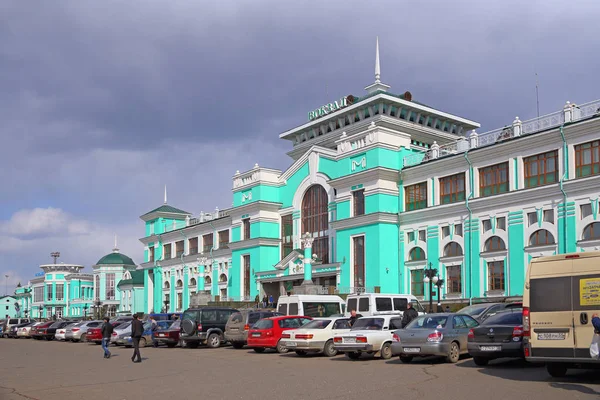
(104, 102)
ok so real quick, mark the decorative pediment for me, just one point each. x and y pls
(289, 259)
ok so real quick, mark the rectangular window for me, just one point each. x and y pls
(541, 169)
(452, 188)
(415, 197)
(549, 216)
(179, 301)
(179, 248)
(501, 223)
(410, 237)
(48, 292)
(417, 288)
(246, 262)
(193, 246)
(207, 242)
(60, 292)
(383, 303)
(587, 159)
(358, 245)
(224, 239)
(423, 236)
(445, 231)
(586, 210)
(38, 294)
(493, 180)
(532, 218)
(151, 254)
(152, 228)
(458, 230)
(110, 286)
(167, 251)
(246, 228)
(486, 225)
(495, 275)
(287, 235)
(454, 279)
(358, 199)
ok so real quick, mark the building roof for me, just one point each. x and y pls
(165, 208)
(115, 258)
(137, 279)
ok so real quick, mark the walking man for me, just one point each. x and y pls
(107, 330)
(137, 330)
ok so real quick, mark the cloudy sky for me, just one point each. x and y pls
(102, 103)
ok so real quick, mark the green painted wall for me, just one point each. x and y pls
(262, 258)
(256, 193)
(471, 269)
(288, 191)
(433, 257)
(343, 210)
(567, 225)
(264, 229)
(516, 256)
(381, 203)
(236, 234)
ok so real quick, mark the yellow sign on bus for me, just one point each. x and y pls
(589, 292)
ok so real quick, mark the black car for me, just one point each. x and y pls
(204, 326)
(498, 336)
(483, 311)
(51, 330)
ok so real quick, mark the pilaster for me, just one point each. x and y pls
(515, 264)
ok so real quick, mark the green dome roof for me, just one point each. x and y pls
(115, 258)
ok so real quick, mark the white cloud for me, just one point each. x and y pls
(43, 222)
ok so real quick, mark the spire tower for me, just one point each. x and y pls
(377, 86)
(115, 249)
(165, 194)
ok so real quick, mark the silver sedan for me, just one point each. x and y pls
(434, 335)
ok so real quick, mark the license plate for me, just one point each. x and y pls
(552, 336)
(411, 349)
(234, 329)
(291, 344)
(256, 335)
(490, 348)
(349, 340)
(161, 335)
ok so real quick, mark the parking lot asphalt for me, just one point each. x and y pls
(54, 370)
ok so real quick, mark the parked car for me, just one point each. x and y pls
(266, 333)
(12, 332)
(120, 333)
(10, 322)
(442, 334)
(39, 331)
(239, 323)
(316, 336)
(25, 331)
(498, 336)
(322, 305)
(51, 330)
(170, 335)
(163, 316)
(78, 332)
(370, 335)
(94, 335)
(482, 311)
(147, 335)
(61, 332)
(204, 326)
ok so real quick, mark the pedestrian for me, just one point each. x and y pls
(107, 330)
(271, 301)
(137, 330)
(596, 323)
(447, 309)
(353, 317)
(257, 301)
(264, 301)
(409, 315)
(154, 329)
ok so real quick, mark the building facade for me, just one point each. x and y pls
(9, 307)
(109, 271)
(384, 192)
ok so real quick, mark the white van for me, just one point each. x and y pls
(311, 305)
(369, 304)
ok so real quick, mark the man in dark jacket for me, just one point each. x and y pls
(137, 330)
(409, 315)
(107, 330)
(353, 317)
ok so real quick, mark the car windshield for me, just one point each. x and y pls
(473, 310)
(56, 325)
(317, 324)
(513, 317)
(428, 322)
(189, 315)
(371, 324)
(124, 326)
(176, 324)
(264, 324)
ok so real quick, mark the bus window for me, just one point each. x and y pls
(316, 310)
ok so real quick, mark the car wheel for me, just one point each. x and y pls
(171, 345)
(259, 349)
(83, 337)
(301, 353)
(329, 350)
(237, 345)
(281, 349)
(481, 361)
(355, 355)
(406, 359)
(214, 340)
(453, 353)
(386, 351)
(143, 342)
(556, 370)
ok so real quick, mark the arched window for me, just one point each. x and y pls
(453, 249)
(416, 254)
(207, 280)
(592, 231)
(223, 278)
(179, 283)
(494, 244)
(315, 220)
(167, 286)
(97, 287)
(193, 282)
(541, 237)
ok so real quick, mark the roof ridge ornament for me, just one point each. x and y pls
(377, 86)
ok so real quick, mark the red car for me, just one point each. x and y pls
(94, 335)
(169, 336)
(265, 334)
(39, 332)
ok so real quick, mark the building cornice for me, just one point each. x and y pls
(363, 220)
(382, 173)
(245, 244)
(255, 206)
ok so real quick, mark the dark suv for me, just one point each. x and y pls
(236, 330)
(204, 326)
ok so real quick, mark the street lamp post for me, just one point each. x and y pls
(42, 310)
(85, 308)
(439, 284)
(432, 279)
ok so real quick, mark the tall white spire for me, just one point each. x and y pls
(377, 68)
(377, 86)
(165, 194)
(115, 249)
